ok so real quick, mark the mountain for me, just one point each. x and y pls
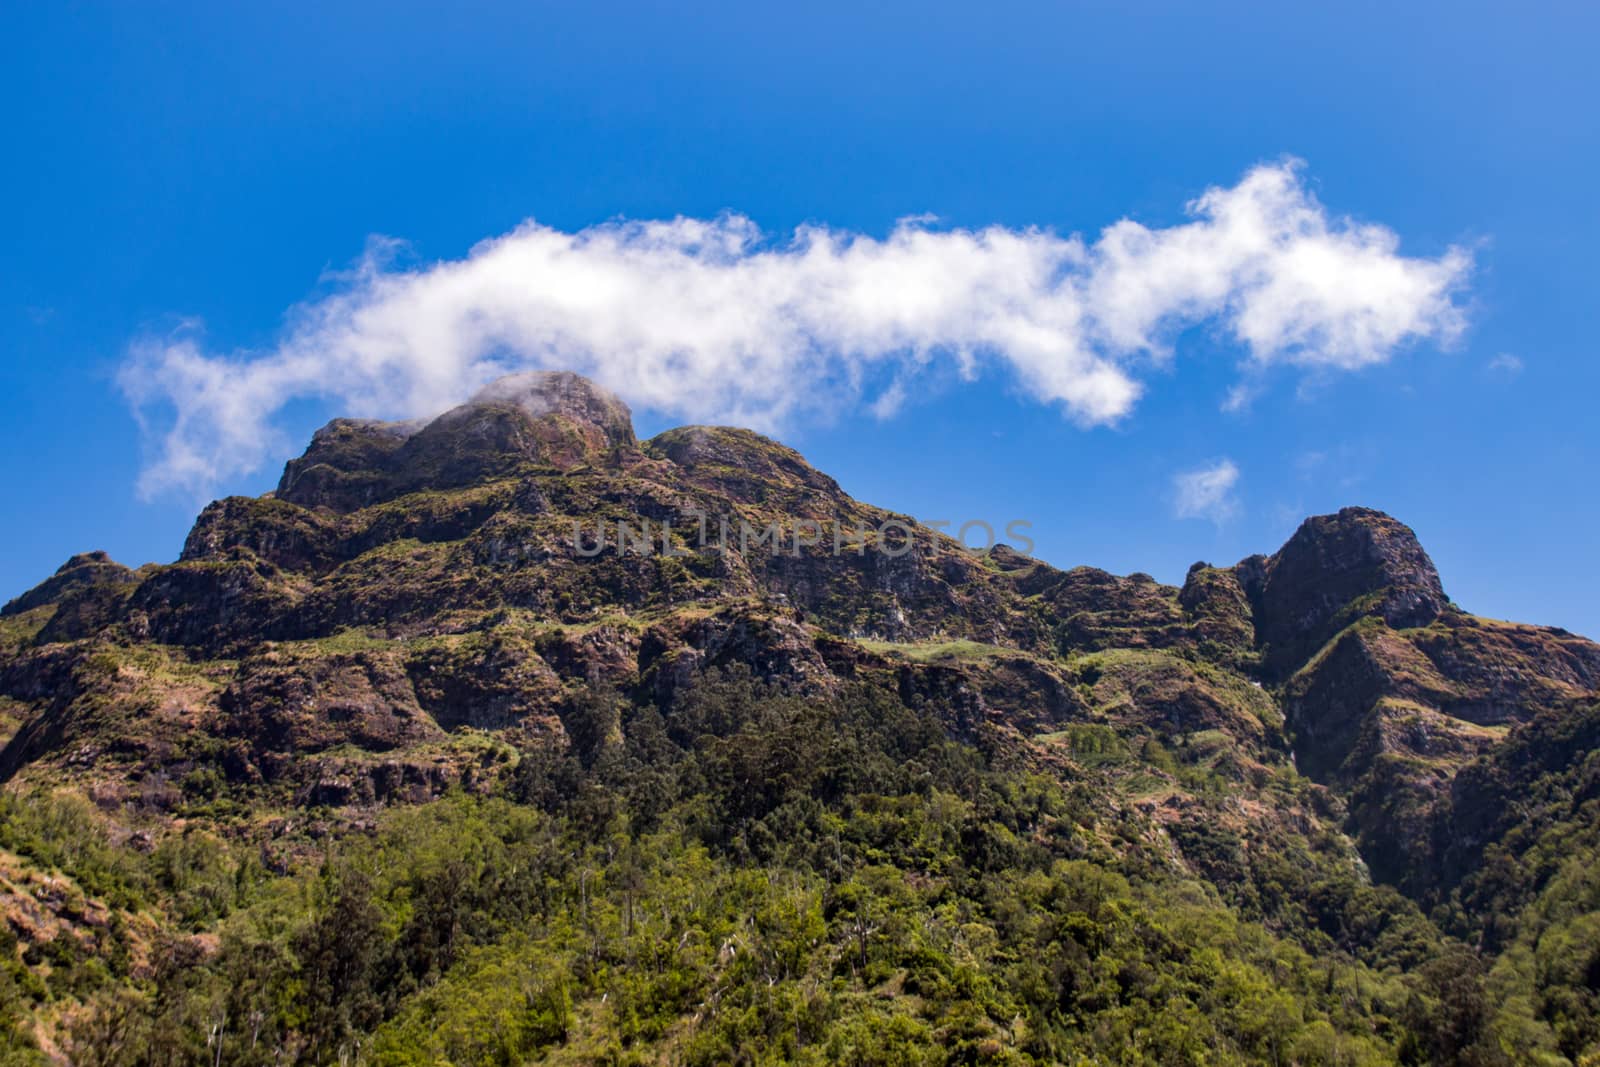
(507, 737)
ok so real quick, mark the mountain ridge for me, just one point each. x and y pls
(414, 614)
(1351, 607)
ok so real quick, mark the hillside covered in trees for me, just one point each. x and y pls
(466, 745)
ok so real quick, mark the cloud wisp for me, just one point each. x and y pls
(1506, 365)
(1207, 492)
(712, 320)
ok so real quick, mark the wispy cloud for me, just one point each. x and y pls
(1341, 466)
(1207, 492)
(714, 320)
(1505, 365)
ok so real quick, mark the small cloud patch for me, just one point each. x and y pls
(1505, 365)
(1207, 492)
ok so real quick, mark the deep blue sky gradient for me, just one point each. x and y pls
(168, 161)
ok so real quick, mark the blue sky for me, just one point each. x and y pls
(172, 166)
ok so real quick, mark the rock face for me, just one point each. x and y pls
(1388, 690)
(411, 586)
(564, 395)
(1337, 568)
(553, 418)
(76, 576)
(742, 464)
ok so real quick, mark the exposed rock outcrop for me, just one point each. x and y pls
(78, 573)
(551, 418)
(1334, 570)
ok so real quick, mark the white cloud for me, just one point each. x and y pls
(1207, 493)
(1241, 395)
(1506, 365)
(714, 321)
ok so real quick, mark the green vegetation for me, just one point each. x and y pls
(938, 651)
(753, 877)
(19, 629)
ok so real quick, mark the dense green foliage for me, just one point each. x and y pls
(756, 877)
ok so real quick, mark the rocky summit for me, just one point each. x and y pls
(507, 737)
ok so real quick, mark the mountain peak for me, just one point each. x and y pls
(82, 571)
(742, 462)
(552, 418)
(1356, 562)
(572, 396)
